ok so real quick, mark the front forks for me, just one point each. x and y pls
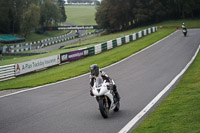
(106, 100)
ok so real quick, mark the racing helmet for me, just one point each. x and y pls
(94, 70)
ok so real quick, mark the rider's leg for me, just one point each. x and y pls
(116, 92)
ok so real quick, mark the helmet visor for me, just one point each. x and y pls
(93, 72)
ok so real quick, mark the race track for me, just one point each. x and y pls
(67, 107)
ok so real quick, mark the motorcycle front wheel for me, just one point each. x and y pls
(103, 109)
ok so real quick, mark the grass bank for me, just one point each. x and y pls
(180, 111)
(81, 15)
(82, 66)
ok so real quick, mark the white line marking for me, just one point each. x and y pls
(128, 127)
(86, 73)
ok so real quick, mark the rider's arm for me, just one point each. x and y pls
(91, 81)
(105, 77)
(91, 84)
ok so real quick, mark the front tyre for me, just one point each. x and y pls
(185, 33)
(103, 109)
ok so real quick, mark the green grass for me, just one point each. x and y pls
(81, 15)
(193, 23)
(180, 111)
(48, 34)
(82, 66)
(9, 57)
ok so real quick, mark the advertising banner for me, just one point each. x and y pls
(75, 55)
(83, 27)
(89, 27)
(29, 66)
(63, 57)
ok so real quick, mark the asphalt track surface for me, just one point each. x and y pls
(67, 107)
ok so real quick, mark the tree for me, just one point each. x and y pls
(30, 19)
(21, 16)
(61, 4)
(114, 15)
(102, 15)
(6, 13)
(50, 13)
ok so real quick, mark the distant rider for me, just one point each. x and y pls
(183, 26)
(95, 72)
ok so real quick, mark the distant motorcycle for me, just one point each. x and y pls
(105, 96)
(184, 32)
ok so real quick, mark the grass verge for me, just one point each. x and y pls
(82, 66)
(180, 111)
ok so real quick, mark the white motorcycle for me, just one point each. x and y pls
(105, 96)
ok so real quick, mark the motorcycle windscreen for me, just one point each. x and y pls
(99, 82)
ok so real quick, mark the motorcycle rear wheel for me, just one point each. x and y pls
(103, 109)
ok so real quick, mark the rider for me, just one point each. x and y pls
(95, 72)
(183, 26)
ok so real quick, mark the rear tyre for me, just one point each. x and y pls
(103, 109)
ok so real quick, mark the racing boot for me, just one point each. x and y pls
(116, 92)
(117, 96)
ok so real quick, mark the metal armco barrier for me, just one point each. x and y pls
(7, 72)
(13, 70)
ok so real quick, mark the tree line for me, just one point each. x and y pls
(116, 15)
(24, 16)
(81, 1)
